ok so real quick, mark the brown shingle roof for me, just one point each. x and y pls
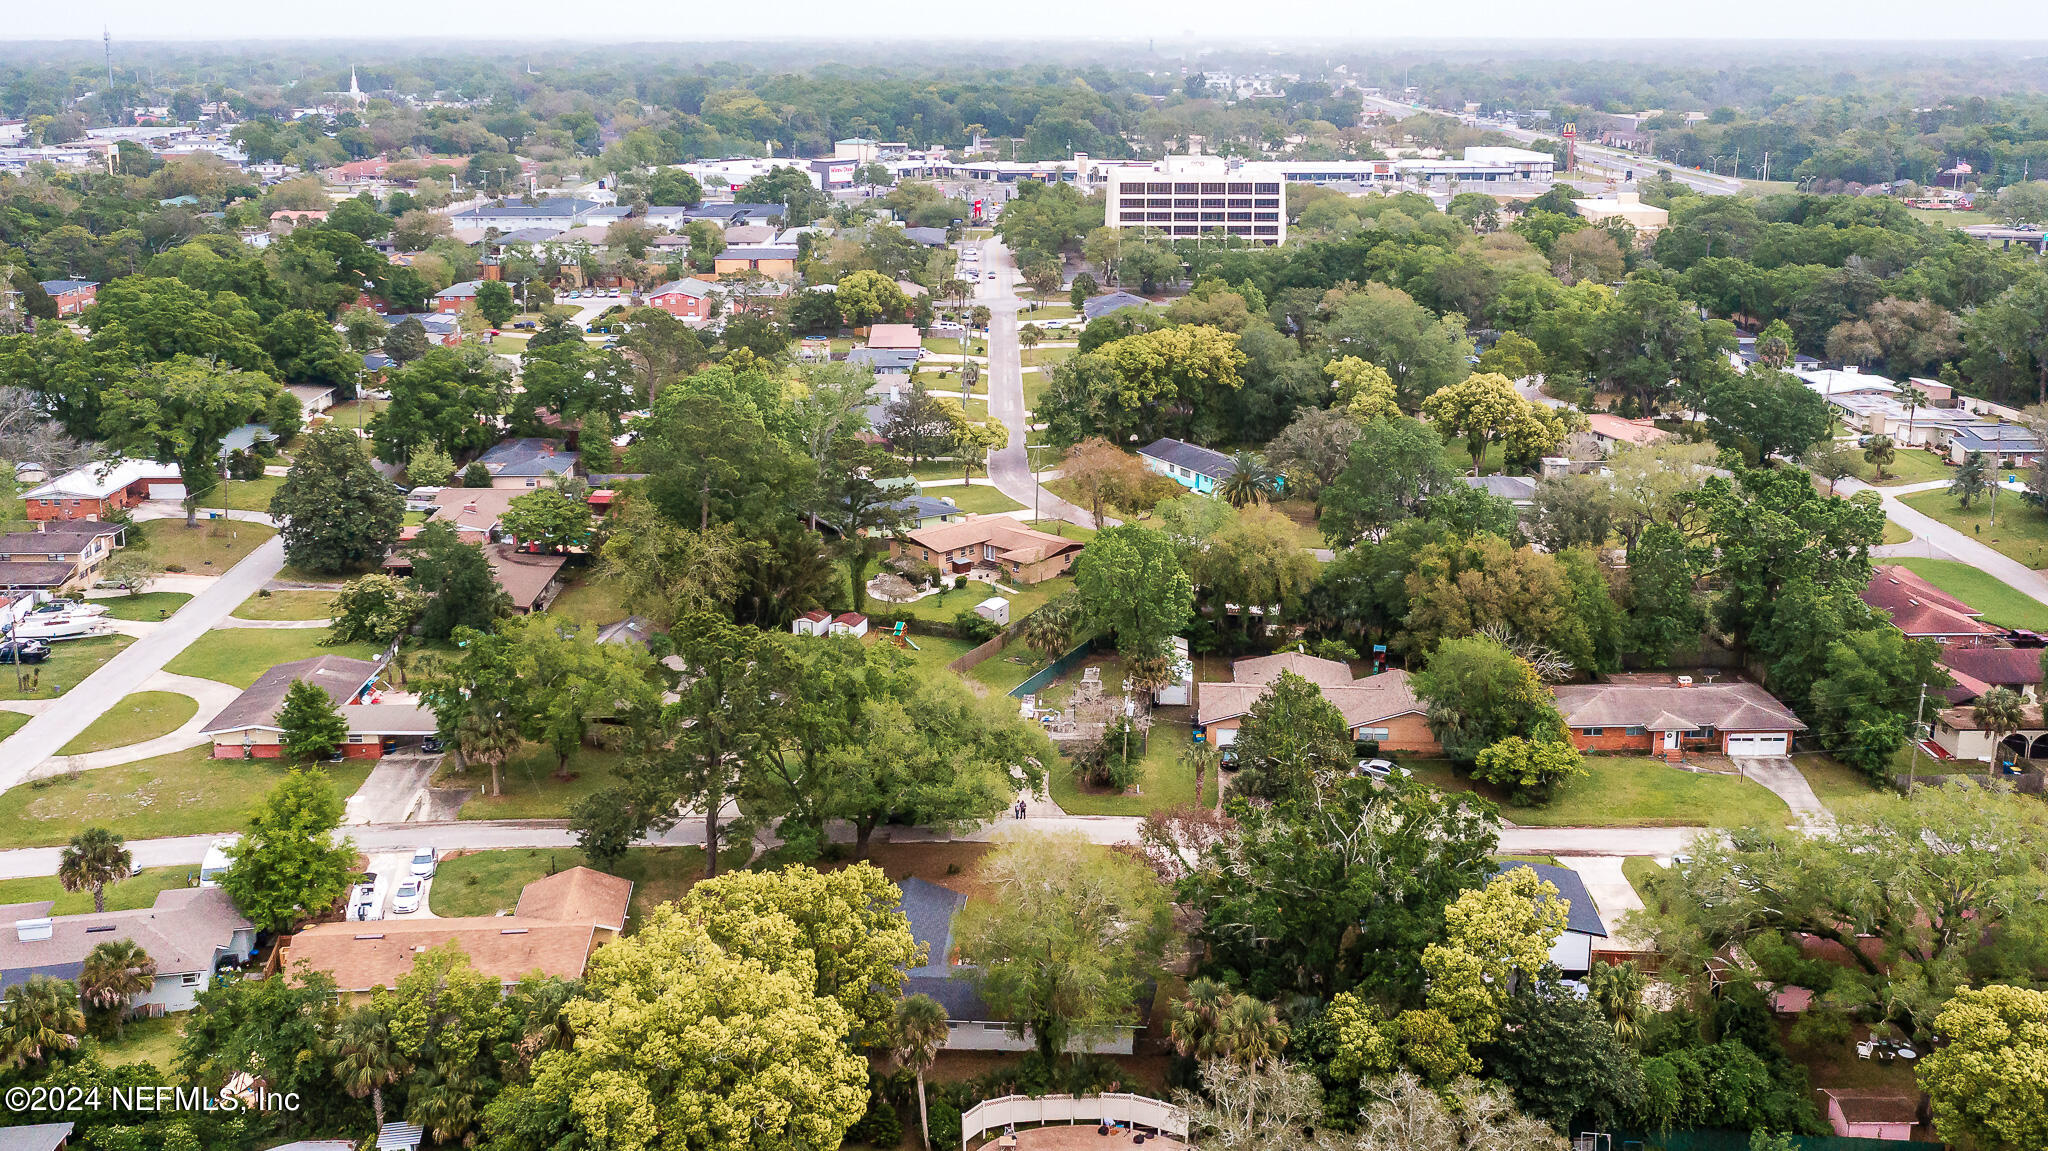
(578, 895)
(1735, 706)
(361, 956)
(1361, 702)
(523, 575)
(1013, 541)
(338, 675)
(1872, 1107)
(1267, 668)
(1920, 609)
(182, 931)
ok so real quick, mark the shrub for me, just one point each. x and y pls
(881, 1126)
(945, 1120)
(975, 628)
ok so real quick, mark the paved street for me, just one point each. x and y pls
(1948, 540)
(1011, 467)
(127, 672)
(1592, 157)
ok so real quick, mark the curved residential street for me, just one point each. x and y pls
(1947, 542)
(1010, 468)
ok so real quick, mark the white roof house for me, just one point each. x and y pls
(1847, 381)
(103, 478)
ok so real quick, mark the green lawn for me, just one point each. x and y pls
(240, 655)
(1046, 310)
(70, 661)
(212, 547)
(950, 346)
(1460, 459)
(1894, 534)
(1165, 782)
(147, 606)
(1638, 869)
(127, 895)
(487, 882)
(356, 413)
(184, 793)
(143, 715)
(2021, 531)
(1046, 358)
(982, 499)
(1622, 791)
(1063, 528)
(1951, 219)
(11, 722)
(1834, 781)
(1999, 602)
(152, 1041)
(286, 605)
(590, 601)
(1908, 466)
(531, 789)
(249, 495)
(941, 608)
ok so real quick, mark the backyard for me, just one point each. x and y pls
(241, 655)
(1623, 791)
(1164, 780)
(2021, 532)
(211, 547)
(69, 662)
(183, 793)
(1999, 602)
(591, 601)
(488, 882)
(141, 716)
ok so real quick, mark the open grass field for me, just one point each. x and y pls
(240, 655)
(184, 793)
(1622, 791)
(1908, 466)
(151, 1041)
(127, 895)
(248, 495)
(142, 715)
(487, 882)
(287, 605)
(1951, 219)
(532, 790)
(982, 499)
(591, 601)
(70, 661)
(2021, 532)
(1164, 781)
(148, 606)
(209, 548)
(2001, 603)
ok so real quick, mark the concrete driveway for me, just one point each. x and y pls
(393, 791)
(1786, 782)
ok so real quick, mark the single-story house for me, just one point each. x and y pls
(685, 299)
(247, 727)
(1189, 465)
(1656, 714)
(2001, 442)
(1957, 733)
(1871, 1114)
(971, 1024)
(531, 579)
(41, 1137)
(71, 296)
(924, 511)
(901, 337)
(1611, 430)
(1380, 707)
(1517, 490)
(62, 556)
(998, 545)
(749, 235)
(96, 490)
(528, 463)
(1977, 670)
(1096, 307)
(892, 368)
(556, 925)
(313, 399)
(1848, 381)
(1924, 611)
(1584, 932)
(187, 930)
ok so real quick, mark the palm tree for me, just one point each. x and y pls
(1204, 758)
(113, 975)
(486, 737)
(1191, 1023)
(1028, 335)
(1249, 481)
(1914, 399)
(1618, 989)
(1049, 631)
(368, 1061)
(1880, 451)
(38, 1019)
(919, 1033)
(1249, 1032)
(2000, 711)
(94, 859)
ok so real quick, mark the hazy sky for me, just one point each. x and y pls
(1229, 21)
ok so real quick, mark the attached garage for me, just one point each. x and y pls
(1759, 743)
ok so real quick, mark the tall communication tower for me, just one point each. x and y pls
(1571, 147)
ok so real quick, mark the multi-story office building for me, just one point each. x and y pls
(1199, 195)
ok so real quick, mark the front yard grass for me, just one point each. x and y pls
(1624, 791)
(183, 793)
(980, 498)
(287, 605)
(247, 495)
(70, 661)
(1908, 466)
(1836, 782)
(11, 722)
(1164, 782)
(487, 882)
(2021, 532)
(592, 601)
(127, 895)
(210, 548)
(2000, 602)
(532, 790)
(1895, 534)
(241, 655)
(142, 715)
(950, 346)
(148, 606)
(1638, 869)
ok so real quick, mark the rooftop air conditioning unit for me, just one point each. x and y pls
(32, 930)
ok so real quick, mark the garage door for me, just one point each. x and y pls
(1774, 744)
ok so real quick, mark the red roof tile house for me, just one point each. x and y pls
(1667, 716)
(1380, 707)
(1924, 611)
(1977, 670)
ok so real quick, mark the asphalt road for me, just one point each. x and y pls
(1944, 538)
(1010, 469)
(1592, 157)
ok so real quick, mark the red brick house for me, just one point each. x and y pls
(1667, 716)
(1379, 707)
(71, 296)
(684, 299)
(451, 298)
(98, 490)
(247, 727)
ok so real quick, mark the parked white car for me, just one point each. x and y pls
(424, 861)
(407, 899)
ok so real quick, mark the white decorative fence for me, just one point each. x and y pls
(1132, 1110)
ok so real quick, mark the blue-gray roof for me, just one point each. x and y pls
(1506, 487)
(1113, 302)
(1583, 916)
(715, 210)
(885, 359)
(927, 508)
(1193, 457)
(34, 1136)
(935, 237)
(2003, 438)
(546, 206)
(59, 287)
(930, 909)
(528, 457)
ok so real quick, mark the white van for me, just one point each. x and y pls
(216, 862)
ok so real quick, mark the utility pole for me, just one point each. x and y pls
(107, 38)
(1913, 769)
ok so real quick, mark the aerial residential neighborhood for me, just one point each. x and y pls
(798, 589)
